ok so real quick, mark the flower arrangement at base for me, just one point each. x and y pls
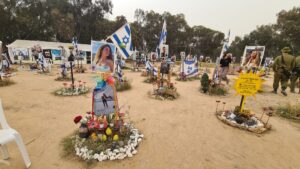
(245, 120)
(184, 78)
(211, 87)
(123, 84)
(167, 92)
(68, 89)
(150, 79)
(105, 137)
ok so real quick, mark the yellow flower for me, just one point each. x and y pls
(104, 138)
(94, 137)
(116, 137)
(108, 131)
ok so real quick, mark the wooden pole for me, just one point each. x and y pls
(72, 77)
(242, 104)
(158, 77)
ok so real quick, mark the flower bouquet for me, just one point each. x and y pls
(70, 90)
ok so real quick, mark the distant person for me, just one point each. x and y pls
(104, 101)
(295, 75)
(282, 67)
(104, 58)
(224, 66)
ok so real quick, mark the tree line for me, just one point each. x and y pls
(60, 20)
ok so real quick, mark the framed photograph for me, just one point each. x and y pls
(103, 56)
(164, 51)
(253, 56)
(103, 100)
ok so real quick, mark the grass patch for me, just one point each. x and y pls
(150, 79)
(6, 82)
(188, 79)
(63, 79)
(289, 111)
(218, 91)
(68, 144)
(122, 86)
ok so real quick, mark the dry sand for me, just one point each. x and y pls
(180, 134)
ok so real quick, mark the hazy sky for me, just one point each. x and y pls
(240, 16)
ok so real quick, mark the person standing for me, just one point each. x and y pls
(295, 75)
(282, 67)
(224, 66)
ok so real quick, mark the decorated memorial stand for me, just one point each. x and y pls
(246, 85)
(72, 89)
(5, 70)
(189, 69)
(105, 133)
(150, 73)
(163, 88)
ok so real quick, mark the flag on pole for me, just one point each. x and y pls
(226, 44)
(163, 35)
(163, 38)
(122, 39)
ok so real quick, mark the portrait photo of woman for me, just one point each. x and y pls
(104, 58)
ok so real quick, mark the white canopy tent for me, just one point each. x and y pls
(25, 46)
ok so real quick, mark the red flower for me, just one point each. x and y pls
(77, 119)
(93, 124)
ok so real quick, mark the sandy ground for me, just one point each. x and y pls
(180, 134)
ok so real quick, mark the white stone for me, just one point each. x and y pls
(139, 140)
(134, 152)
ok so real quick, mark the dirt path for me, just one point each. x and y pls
(179, 134)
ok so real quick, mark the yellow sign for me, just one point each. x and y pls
(248, 84)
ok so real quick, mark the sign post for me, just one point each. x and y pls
(247, 85)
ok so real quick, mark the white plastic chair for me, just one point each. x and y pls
(7, 134)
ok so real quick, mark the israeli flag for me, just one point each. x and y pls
(163, 35)
(122, 39)
(225, 45)
(190, 68)
(150, 67)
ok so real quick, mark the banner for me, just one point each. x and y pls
(190, 67)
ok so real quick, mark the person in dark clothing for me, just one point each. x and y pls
(224, 66)
(104, 97)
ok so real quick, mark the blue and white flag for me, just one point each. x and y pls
(162, 39)
(225, 45)
(150, 67)
(163, 35)
(122, 39)
(190, 68)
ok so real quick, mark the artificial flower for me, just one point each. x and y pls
(104, 138)
(77, 119)
(110, 80)
(93, 124)
(116, 137)
(94, 137)
(108, 131)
